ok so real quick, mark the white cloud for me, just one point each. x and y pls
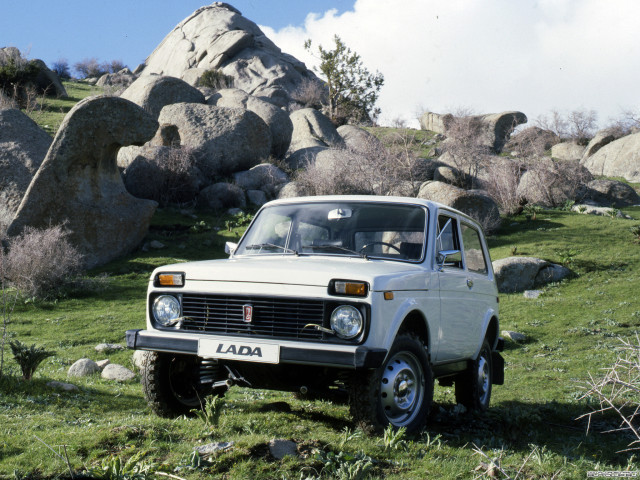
(490, 56)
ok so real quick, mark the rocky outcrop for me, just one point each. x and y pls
(221, 196)
(222, 140)
(358, 139)
(265, 177)
(312, 129)
(475, 203)
(47, 81)
(219, 37)
(567, 151)
(122, 79)
(602, 138)
(435, 122)
(620, 158)
(531, 140)
(155, 92)
(517, 274)
(79, 183)
(610, 192)
(276, 119)
(23, 146)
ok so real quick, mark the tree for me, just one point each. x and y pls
(353, 90)
(61, 67)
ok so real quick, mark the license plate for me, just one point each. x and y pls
(243, 351)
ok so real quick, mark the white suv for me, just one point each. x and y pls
(371, 296)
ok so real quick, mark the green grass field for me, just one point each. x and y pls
(531, 427)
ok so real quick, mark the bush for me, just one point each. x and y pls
(215, 79)
(28, 357)
(503, 177)
(310, 93)
(90, 68)
(61, 67)
(17, 78)
(43, 263)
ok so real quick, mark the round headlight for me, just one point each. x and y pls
(166, 310)
(346, 321)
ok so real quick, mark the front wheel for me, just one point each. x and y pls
(473, 387)
(399, 393)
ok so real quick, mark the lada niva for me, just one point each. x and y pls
(371, 296)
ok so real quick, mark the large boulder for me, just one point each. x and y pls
(567, 151)
(222, 195)
(222, 140)
(47, 81)
(312, 129)
(517, 274)
(23, 145)
(121, 79)
(266, 177)
(154, 92)
(532, 140)
(610, 192)
(276, 119)
(358, 139)
(620, 158)
(475, 203)
(435, 122)
(218, 37)
(550, 184)
(79, 183)
(602, 138)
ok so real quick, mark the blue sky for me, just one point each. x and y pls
(485, 56)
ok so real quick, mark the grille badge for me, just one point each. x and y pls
(247, 313)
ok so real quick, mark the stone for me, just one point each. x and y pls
(514, 336)
(435, 122)
(601, 138)
(103, 363)
(67, 387)
(220, 196)
(117, 372)
(221, 140)
(551, 273)
(532, 293)
(47, 81)
(218, 37)
(79, 184)
(609, 193)
(23, 146)
(586, 209)
(532, 140)
(156, 245)
(154, 92)
(290, 190)
(447, 174)
(620, 158)
(265, 176)
(358, 139)
(281, 448)
(211, 448)
(122, 79)
(303, 157)
(276, 119)
(256, 197)
(108, 347)
(475, 203)
(83, 368)
(567, 151)
(517, 274)
(312, 129)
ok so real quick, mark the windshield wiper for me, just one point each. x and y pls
(338, 247)
(270, 245)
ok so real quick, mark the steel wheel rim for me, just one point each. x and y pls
(402, 389)
(181, 383)
(483, 379)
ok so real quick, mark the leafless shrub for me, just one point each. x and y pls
(7, 102)
(618, 390)
(310, 93)
(503, 177)
(555, 122)
(90, 67)
(577, 125)
(551, 183)
(7, 304)
(626, 123)
(43, 263)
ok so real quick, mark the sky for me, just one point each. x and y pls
(484, 56)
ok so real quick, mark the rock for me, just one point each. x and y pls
(79, 183)
(517, 274)
(218, 37)
(532, 293)
(358, 139)
(211, 448)
(475, 203)
(261, 177)
(235, 212)
(532, 140)
(514, 336)
(312, 129)
(139, 357)
(611, 192)
(47, 81)
(276, 119)
(103, 363)
(447, 174)
(290, 190)
(602, 138)
(220, 196)
(83, 368)
(154, 92)
(435, 122)
(117, 372)
(123, 79)
(620, 158)
(222, 140)
(601, 211)
(256, 197)
(281, 448)
(303, 157)
(67, 387)
(23, 146)
(156, 245)
(567, 151)
(108, 347)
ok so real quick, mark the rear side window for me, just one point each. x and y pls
(473, 253)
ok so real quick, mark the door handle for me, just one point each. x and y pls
(469, 283)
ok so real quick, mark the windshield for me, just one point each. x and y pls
(371, 230)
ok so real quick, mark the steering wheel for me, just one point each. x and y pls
(390, 245)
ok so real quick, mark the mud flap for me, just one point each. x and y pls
(497, 367)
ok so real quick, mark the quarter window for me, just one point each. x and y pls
(447, 240)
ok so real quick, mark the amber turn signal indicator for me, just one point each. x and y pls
(170, 280)
(349, 288)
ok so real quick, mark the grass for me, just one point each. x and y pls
(571, 330)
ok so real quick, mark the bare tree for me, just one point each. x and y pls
(577, 125)
(555, 122)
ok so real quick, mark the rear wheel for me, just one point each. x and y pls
(473, 387)
(398, 393)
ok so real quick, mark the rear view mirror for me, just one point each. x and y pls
(452, 255)
(230, 248)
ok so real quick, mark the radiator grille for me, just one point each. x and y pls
(272, 317)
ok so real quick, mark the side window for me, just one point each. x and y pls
(473, 253)
(447, 239)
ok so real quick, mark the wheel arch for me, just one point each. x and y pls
(415, 322)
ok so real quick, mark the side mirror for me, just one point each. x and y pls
(230, 248)
(441, 259)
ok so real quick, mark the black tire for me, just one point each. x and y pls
(473, 387)
(170, 383)
(399, 393)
